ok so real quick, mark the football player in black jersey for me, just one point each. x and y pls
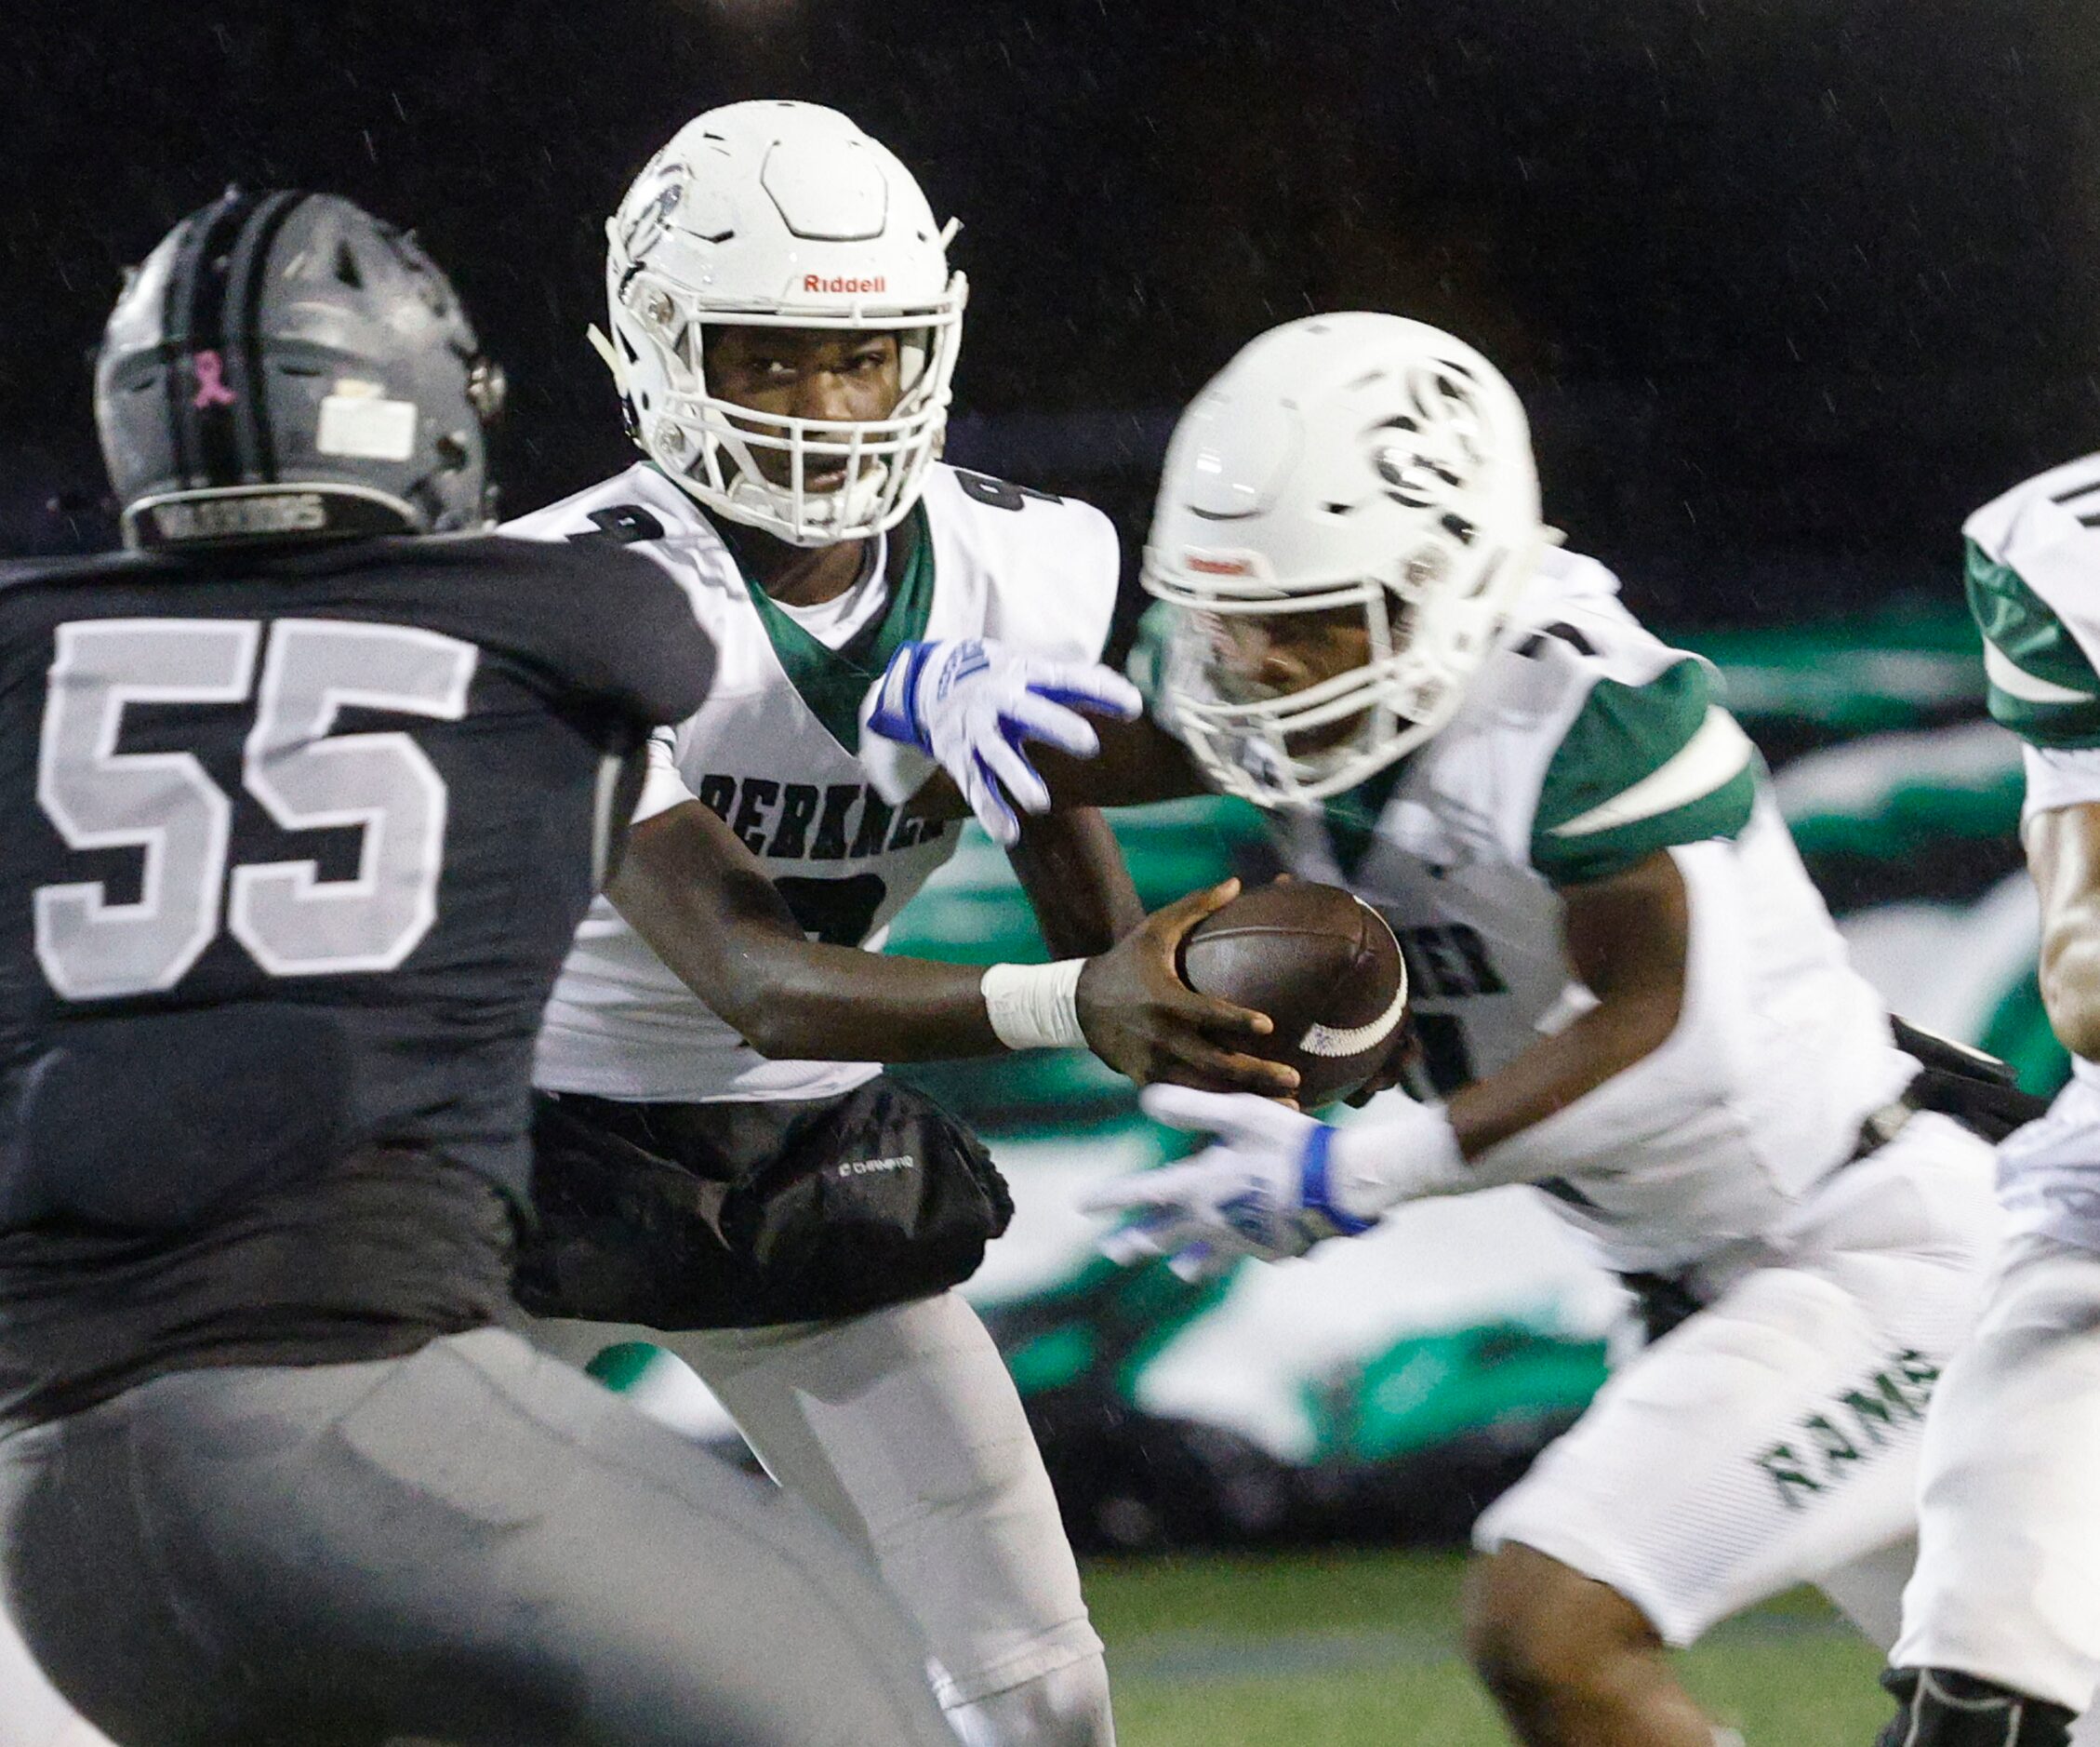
(304, 796)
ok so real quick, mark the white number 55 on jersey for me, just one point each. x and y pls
(292, 922)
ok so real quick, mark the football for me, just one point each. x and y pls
(1322, 963)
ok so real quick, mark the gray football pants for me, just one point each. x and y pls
(475, 1544)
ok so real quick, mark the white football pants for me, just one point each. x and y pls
(903, 1427)
(1772, 1438)
(2008, 1580)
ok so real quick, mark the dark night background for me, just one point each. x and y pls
(1788, 286)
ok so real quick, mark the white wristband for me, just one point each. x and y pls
(1035, 1006)
(1406, 1152)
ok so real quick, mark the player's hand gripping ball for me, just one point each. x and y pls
(1323, 965)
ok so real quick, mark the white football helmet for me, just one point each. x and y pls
(1362, 462)
(780, 215)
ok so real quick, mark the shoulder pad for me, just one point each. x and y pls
(2043, 509)
(1049, 567)
(637, 507)
(1014, 515)
(1570, 633)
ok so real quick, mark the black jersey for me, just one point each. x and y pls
(293, 849)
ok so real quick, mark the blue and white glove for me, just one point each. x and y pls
(1261, 1189)
(971, 704)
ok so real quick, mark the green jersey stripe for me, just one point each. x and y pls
(832, 681)
(2016, 682)
(1711, 757)
(2042, 685)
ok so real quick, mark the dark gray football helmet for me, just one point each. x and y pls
(287, 367)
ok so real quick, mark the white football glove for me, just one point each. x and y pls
(1259, 1190)
(971, 704)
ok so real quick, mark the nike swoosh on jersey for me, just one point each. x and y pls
(1710, 758)
(2016, 682)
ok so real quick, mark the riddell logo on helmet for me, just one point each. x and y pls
(1220, 566)
(817, 282)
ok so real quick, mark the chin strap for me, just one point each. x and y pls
(610, 352)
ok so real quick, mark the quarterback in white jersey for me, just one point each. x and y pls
(720, 1163)
(775, 751)
(1624, 984)
(2001, 1623)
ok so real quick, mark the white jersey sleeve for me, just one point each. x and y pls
(1648, 760)
(1040, 571)
(663, 784)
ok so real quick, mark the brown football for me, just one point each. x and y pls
(1322, 963)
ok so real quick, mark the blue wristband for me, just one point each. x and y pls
(895, 716)
(1312, 1183)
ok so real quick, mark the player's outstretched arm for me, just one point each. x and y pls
(2064, 855)
(701, 900)
(1138, 764)
(1628, 940)
(1273, 1182)
(704, 905)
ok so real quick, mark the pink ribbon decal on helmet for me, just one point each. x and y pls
(211, 385)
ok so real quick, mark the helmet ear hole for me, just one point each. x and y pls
(347, 269)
